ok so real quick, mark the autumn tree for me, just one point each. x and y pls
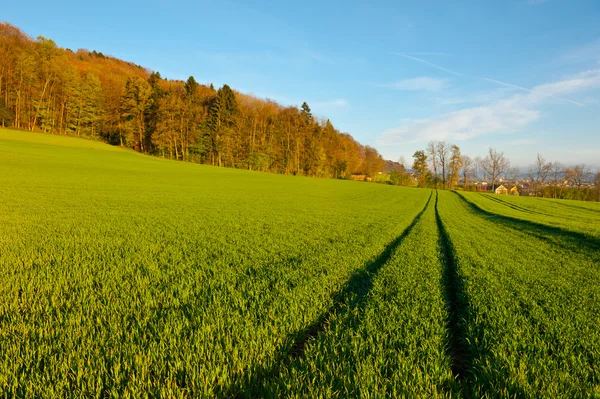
(86, 106)
(373, 162)
(420, 167)
(455, 166)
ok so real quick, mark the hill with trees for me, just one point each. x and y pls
(84, 93)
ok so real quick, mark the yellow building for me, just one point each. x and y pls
(501, 190)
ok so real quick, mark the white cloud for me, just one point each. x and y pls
(505, 115)
(421, 83)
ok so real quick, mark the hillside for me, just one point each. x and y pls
(85, 93)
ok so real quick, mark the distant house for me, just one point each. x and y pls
(481, 186)
(514, 191)
(501, 190)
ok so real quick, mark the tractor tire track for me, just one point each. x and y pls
(353, 294)
(457, 304)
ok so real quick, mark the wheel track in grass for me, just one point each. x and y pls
(581, 209)
(353, 294)
(457, 304)
(568, 239)
(497, 199)
(512, 206)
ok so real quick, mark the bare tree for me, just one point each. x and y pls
(443, 155)
(578, 175)
(532, 180)
(431, 153)
(467, 169)
(402, 161)
(494, 164)
(513, 175)
(539, 172)
(558, 178)
(477, 169)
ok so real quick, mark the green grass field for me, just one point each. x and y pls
(123, 275)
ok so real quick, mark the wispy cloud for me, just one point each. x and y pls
(421, 83)
(533, 91)
(424, 53)
(338, 102)
(484, 97)
(522, 142)
(505, 115)
(431, 64)
(319, 57)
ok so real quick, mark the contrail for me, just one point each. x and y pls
(535, 92)
(441, 68)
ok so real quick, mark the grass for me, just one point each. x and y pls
(533, 305)
(164, 277)
(123, 275)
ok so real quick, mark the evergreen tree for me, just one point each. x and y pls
(137, 97)
(152, 110)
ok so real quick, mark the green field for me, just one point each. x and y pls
(124, 275)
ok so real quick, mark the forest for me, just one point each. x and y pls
(45, 88)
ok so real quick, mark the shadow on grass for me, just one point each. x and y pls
(580, 209)
(252, 382)
(456, 302)
(492, 197)
(466, 348)
(567, 239)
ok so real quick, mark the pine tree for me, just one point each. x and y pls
(152, 110)
(133, 108)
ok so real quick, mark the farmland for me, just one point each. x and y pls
(134, 276)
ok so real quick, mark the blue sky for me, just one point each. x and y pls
(522, 76)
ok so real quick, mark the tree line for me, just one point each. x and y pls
(442, 166)
(49, 89)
